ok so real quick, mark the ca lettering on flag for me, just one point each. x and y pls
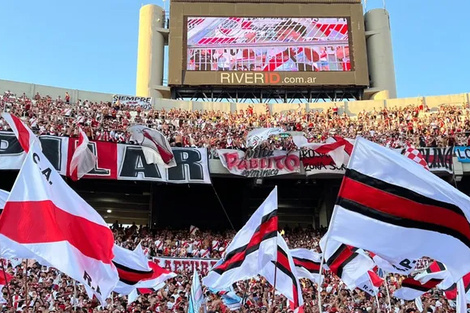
(45, 220)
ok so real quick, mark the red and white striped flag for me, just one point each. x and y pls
(83, 160)
(193, 229)
(25, 136)
(412, 289)
(346, 262)
(252, 248)
(307, 264)
(392, 206)
(281, 273)
(45, 220)
(338, 148)
(155, 146)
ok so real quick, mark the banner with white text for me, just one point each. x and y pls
(115, 161)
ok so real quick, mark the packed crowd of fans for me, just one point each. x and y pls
(395, 127)
(49, 291)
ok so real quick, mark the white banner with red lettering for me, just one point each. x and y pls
(260, 163)
(179, 265)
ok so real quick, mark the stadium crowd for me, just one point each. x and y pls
(49, 291)
(395, 127)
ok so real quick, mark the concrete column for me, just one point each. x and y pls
(379, 51)
(150, 50)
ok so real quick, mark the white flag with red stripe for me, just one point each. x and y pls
(370, 282)
(83, 160)
(281, 273)
(347, 262)
(155, 146)
(251, 249)
(338, 148)
(392, 206)
(45, 220)
(307, 263)
(411, 289)
(193, 229)
(25, 136)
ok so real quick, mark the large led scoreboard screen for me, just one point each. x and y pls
(267, 44)
(239, 42)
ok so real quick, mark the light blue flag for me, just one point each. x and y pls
(197, 298)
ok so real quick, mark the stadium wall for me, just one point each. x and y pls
(351, 107)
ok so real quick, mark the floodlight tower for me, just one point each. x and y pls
(380, 54)
(153, 36)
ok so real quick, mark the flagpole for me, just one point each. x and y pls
(74, 295)
(378, 304)
(10, 301)
(327, 235)
(274, 287)
(26, 284)
(388, 293)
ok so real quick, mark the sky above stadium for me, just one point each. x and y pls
(92, 45)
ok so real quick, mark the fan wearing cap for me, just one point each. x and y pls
(295, 58)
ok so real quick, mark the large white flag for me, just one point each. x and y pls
(253, 247)
(132, 268)
(155, 146)
(392, 206)
(307, 264)
(83, 160)
(45, 220)
(281, 273)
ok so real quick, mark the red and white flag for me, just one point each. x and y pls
(25, 136)
(155, 282)
(4, 278)
(155, 146)
(370, 282)
(45, 220)
(392, 206)
(134, 295)
(136, 271)
(412, 289)
(281, 273)
(346, 262)
(413, 154)
(338, 148)
(193, 229)
(83, 159)
(436, 270)
(307, 264)
(252, 248)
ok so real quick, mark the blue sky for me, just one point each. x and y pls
(92, 44)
